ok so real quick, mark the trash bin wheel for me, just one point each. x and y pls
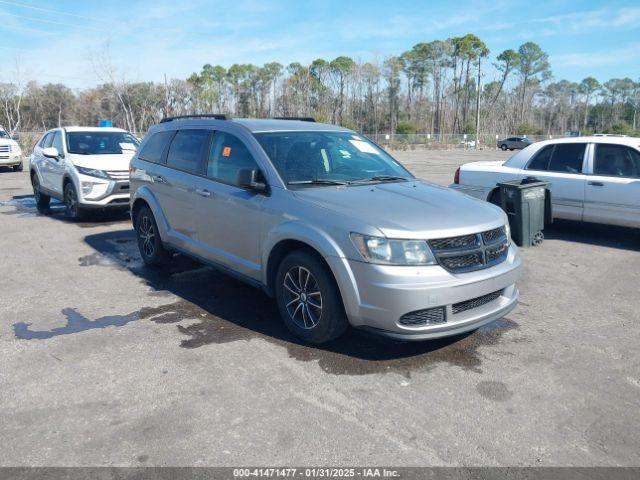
(538, 238)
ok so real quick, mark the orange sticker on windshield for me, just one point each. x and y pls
(226, 151)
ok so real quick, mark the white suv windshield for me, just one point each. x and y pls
(316, 157)
(101, 143)
(4, 134)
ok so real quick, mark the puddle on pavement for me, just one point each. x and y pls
(25, 206)
(216, 309)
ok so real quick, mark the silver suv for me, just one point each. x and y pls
(325, 221)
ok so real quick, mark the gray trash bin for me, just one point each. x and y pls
(526, 203)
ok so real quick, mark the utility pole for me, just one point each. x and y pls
(478, 110)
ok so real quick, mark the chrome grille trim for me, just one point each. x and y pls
(5, 148)
(475, 302)
(467, 253)
(118, 174)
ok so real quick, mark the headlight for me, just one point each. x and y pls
(393, 252)
(92, 172)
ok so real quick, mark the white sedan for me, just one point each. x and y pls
(593, 179)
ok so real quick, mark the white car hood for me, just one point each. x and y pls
(115, 162)
(8, 141)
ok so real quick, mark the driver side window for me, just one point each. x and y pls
(227, 156)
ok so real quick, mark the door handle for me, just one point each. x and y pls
(158, 179)
(596, 184)
(203, 192)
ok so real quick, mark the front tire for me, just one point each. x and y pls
(18, 168)
(150, 245)
(503, 147)
(72, 210)
(42, 200)
(308, 298)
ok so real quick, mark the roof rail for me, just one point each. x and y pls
(216, 116)
(302, 119)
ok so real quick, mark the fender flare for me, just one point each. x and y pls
(145, 194)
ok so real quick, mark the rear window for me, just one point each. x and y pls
(155, 146)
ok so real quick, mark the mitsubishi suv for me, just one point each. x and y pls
(84, 167)
(325, 221)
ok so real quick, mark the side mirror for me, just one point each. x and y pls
(15, 136)
(250, 178)
(51, 152)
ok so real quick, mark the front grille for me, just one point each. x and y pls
(492, 236)
(471, 252)
(118, 174)
(429, 316)
(475, 302)
(460, 262)
(5, 148)
(452, 243)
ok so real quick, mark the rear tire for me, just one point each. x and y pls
(72, 210)
(42, 200)
(308, 298)
(150, 245)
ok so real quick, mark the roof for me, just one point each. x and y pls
(631, 141)
(256, 125)
(272, 125)
(93, 129)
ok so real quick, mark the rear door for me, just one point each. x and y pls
(185, 161)
(562, 165)
(612, 193)
(229, 217)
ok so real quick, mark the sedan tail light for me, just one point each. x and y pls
(456, 176)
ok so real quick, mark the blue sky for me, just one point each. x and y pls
(60, 41)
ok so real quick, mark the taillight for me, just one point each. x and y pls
(456, 176)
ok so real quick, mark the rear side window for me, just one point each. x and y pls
(541, 159)
(154, 148)
(616, 161)
(187, 150)
(563, 158)
(567, 158)
(227, 156)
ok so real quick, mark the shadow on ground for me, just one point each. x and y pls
(25, 206)
(213, 308)
(594, 234)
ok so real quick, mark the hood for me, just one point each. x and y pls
(8, 141)
(117, 162)
(414, 209)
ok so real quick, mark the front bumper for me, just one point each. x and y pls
(103, 193)
(377, 296)
(10, 160)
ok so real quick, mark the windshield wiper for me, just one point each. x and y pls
(318, 181)
(381, 178)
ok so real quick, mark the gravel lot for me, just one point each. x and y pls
(103, 362)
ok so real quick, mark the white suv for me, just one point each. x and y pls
(10, 153)
(84, 167)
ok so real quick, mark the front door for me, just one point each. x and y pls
(57, 165)
(562, 165)
(229, 217)
(613, 189)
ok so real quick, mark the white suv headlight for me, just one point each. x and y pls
(393, 252)
(92, 172)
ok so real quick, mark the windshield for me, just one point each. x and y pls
(316, 157)
(101, 143)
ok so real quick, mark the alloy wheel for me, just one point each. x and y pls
(303, 299)
(71, 202)
(147, 234)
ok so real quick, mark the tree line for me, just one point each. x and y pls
(438, 87)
